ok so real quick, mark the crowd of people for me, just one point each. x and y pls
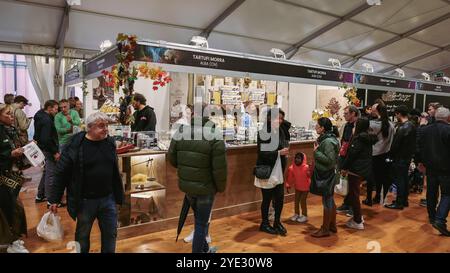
(372, 148)
(54, 125)
(85, 166)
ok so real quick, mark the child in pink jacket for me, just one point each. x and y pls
(299, 177)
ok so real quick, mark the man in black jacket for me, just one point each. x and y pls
(435, 154)
(402, 150)
(47, 139)
(144, 116)
(351, 115)
(88, 168)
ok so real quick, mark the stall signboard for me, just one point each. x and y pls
(433, 87)
(392, 99)
(382, 81)
(72, 74)
(215, 61)
(98, 64)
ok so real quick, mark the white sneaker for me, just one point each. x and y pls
(189, 238)
(212, 249)
(295, 217)
(302, 219)
(353, 224)
(17, 247)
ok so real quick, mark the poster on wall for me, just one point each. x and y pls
(101, 92)
(332, 99)
(178, 97)
(391, 98)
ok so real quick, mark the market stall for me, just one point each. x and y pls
(231, 82)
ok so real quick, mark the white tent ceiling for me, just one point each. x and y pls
(411, 33)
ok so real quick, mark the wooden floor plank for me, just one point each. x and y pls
(394, 231)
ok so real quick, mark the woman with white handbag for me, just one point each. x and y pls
(270, 165)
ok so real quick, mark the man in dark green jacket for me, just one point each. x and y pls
(202, 172)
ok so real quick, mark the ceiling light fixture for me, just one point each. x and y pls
(400, 72)
(73, 2)
(278, 53)
(426, 76)
(200, 41)
(105, 45)
(368, 67)
(335, 63)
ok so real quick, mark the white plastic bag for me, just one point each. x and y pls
(50, 227)
(342, 187)
(276, 177)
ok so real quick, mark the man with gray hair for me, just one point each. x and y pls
(89, 169)
(434, 146)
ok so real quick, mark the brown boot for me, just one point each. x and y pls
(324, 231)
(333, 227)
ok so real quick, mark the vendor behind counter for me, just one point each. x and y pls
(144, 116)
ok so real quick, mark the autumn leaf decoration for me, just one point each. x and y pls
(351, 95)
(124, 74)
(159, 76)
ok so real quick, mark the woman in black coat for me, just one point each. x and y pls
(271, 143)
(358, 167)
(12, 214)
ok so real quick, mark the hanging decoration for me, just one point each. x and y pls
(124, 74)
(159, 76)
(333, 108)
(84, 87)
(351, 95)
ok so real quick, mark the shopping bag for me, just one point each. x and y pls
(50, 227)
(342, 187)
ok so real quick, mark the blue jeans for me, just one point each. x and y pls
(202, 206)
(47, 176)
(432, 195)
(444, 204)
(328, 201)
(104, 210)
(401, 180)
(442, 210)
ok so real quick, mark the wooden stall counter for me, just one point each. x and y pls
(240, 195)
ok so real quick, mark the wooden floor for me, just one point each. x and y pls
(386, 231)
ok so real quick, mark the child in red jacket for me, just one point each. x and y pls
(299, 177)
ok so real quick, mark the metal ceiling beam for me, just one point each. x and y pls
(219, 19)
(415, 59)
(398, 38)
(294, 48)
(354, 21)
(59, 45)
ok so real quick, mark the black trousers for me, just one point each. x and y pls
(277, 196)
(382, 174)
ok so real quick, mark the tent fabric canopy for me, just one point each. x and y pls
(409, 33)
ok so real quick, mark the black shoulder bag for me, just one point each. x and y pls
(322, 183)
